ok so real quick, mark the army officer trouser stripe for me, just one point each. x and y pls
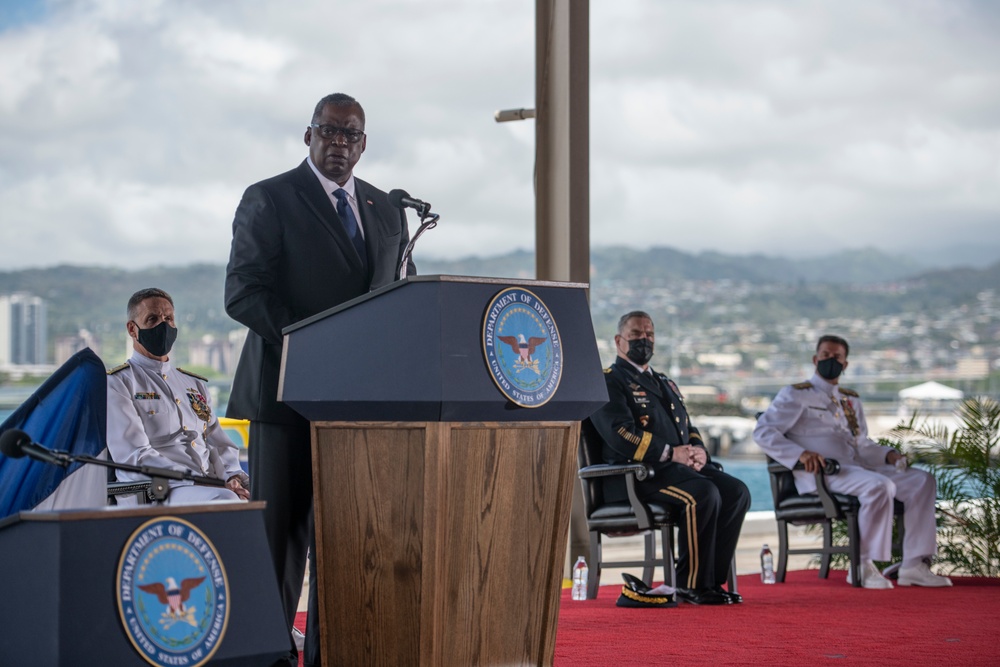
(691, 516)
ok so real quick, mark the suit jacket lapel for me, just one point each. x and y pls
(377, 216)
(318, 202)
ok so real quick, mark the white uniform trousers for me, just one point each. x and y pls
(916, 489)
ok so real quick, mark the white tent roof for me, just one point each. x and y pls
(930, 391)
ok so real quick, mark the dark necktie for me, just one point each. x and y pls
(351, 225)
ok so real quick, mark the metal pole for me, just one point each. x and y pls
(562, 140)
(562, 167)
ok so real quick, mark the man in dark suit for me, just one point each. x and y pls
(303, 242)
(645, 420)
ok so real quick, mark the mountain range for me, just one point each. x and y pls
(94, 298)
(864, 266)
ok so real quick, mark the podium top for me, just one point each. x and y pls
(112, 512)
(448, 348)
(509, 282)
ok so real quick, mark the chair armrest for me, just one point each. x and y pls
(831, 467)
(631, 472)
(129, 488)
(643, 515)
(640, 470)
(125, 488)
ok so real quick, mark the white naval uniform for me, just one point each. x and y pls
(161, 416)
(814, 416)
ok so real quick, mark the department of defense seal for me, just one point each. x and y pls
(173, 593)
(522, 348)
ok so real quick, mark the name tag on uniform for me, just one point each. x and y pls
(146, 396)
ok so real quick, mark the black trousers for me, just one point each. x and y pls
(711, 506)
(280, 460)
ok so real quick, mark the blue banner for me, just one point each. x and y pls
(68, 413)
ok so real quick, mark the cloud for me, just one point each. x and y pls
(131, 129)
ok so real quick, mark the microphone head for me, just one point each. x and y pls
(396, 197)
(12, 443)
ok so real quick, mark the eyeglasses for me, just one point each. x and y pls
(329, 132)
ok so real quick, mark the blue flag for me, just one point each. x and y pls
(68, 413)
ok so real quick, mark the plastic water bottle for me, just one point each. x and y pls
(766, 565)
(580, 575)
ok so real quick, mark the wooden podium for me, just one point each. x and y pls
(442, 508)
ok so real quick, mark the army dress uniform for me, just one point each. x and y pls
(825, 418)
(162, 416)
(643, 420)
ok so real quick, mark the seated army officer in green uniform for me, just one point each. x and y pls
(162, 416)
(645, 420)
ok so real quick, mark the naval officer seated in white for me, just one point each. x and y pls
(813, 420)
(162, 416)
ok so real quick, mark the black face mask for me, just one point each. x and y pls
(159, 339)
(640, 351)
(829, 368)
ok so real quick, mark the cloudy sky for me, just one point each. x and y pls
(130, 128)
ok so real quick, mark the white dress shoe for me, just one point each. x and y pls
(870, 577)
(921, 575)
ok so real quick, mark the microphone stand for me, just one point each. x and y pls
(159, 487)
(428, 220)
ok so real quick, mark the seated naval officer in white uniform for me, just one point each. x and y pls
(813, 420)
(162, 416)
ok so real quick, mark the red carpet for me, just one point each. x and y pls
(805, 621)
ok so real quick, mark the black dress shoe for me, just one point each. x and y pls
(702, 596)
(734, 598)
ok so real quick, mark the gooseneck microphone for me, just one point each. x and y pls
(16, 443)
(402, 199)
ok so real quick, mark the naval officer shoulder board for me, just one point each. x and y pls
(194, 375)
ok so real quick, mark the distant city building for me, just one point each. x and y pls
(972, 367)
(720, 359)
(23, 331)
(221, 355)
(209, 352)
(67, 346)
(237, 338)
